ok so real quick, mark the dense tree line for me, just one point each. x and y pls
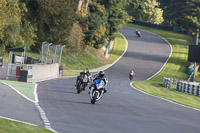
(75, 23)
(185, 13)
(146, 10)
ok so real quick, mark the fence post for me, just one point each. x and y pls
(108, 48)
(1, 61)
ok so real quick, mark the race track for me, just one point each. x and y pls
(122, 109)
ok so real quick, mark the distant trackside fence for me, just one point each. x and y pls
(159, 26)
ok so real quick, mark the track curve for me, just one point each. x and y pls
(122, 109)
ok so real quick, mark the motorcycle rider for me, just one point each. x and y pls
(137, 32)
(101, 75)
(84, 72)
(132, 73)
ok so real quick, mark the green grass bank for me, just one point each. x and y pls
(8, 126)
(176, 67)
(92, 59)
(26, 89)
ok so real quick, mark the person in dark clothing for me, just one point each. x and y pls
(137, 33)
(101, 75)
(84, 72)
(131, 74)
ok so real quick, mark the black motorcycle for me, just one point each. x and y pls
(82, 83)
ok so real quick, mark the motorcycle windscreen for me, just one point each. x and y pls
(99, 83)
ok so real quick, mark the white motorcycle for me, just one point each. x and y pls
(96, 90)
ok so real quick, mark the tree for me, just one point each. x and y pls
(184, 13)
(117, 15)
(103, 20)
(173, 11)
(53, 20)
(14, 29)
(146, 10)
(95, 25)
(192, 15)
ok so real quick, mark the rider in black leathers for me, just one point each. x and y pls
(137, 33)
(84, 72)
(101, 75)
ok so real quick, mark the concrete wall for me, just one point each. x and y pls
(37, 72)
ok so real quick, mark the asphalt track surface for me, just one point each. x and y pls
(15, 106)
(122, 109)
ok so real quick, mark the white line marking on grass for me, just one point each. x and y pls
(18, 92)
(159, 72)
(163, 98)
(36, 102)
(171, 51)
(2, 117)
(47, 127)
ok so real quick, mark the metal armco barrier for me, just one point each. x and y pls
(167, 82)
(188, 87)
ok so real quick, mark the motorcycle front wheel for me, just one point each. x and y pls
(78, 87)
(93, 100)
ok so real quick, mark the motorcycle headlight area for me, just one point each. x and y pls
(98, 86)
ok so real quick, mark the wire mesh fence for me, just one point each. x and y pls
(51, 53)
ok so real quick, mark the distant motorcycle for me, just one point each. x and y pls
(138, 33)
(131, 75)
(96, 90)
(82, 83)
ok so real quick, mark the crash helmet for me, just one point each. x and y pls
(84, 71)
(101, 74)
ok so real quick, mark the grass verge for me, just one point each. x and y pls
(8, 126)
(92, 60)
(26, 89)
(176, 67)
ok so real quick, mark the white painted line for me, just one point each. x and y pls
(164, 98)
(121, 55)
(114, 61)
(2, 117)
(47, 124)
(19, 92)
(36, 102)
(45, 120)
(35, 93)
(157, 73)
(171, 50)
